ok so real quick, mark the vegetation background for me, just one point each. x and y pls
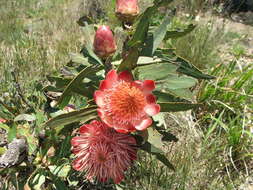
(214, 143)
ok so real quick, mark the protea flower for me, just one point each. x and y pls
(127, 10)
(125, 104)
(103, 153)
(104, 42)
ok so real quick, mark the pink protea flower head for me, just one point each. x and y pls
(127, 9)
(125, 104)
(103, 153)
(104, 42)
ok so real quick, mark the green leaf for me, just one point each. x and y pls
(79, 58)
(58, 183)
(130, 61)
(158, 154)
(155, 72)
(142, 28)
(168, 97)
(25, 130)
(179, 33)
(77, 81)
(186, 68)
(82, 115)
(184, 93)
(12, 132)
(150, 148)
(5, 127)
(25, 117)
(60, 171)
(156, 38)
(177, 106)
(174, 82)
(145, 60)
(38, 181)
(155, 138)
(162, 158)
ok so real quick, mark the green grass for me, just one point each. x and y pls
(214, 148)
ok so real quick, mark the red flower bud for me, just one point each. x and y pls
(127, 9)
(104, 43)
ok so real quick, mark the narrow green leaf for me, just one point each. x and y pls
(148, 147)
(179, 33)
(82, 115)
(177, 106)
(186, 68)
(25, 117)
(12, 132)
(162, 158)
(79, 58)
(158, 154)
(156, 38)
(130, 61)
(60, 171)
(66, 95)
(142, 28)
(38, 181)
(168, 97)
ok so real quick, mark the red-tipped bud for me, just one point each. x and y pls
(127, 10)
(104, 43)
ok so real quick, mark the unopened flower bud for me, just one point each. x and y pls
(104, 43)
(127, 10)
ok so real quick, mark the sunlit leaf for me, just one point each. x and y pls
(25, 117)
(82, 115)
(60, 171)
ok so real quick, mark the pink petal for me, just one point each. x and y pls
(151, 99)
(144, 124)
(122, 131)
(107, 120)
(75, 141)
(112, 75)
(138, 84)
(125, 76)
(149, 85)
(105, 84)
(84, 128)
(152, 109)
(77, 164)
(99, 98)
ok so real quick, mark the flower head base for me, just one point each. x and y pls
(103, 153)
(104, 43)
(127, 10)
(125, 104)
